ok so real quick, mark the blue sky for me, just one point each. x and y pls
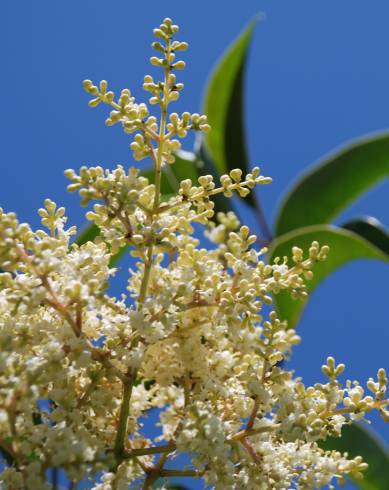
(318, 76)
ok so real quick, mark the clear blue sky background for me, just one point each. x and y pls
(318, 75)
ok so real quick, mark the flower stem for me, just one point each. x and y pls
(123, 418)
(146, 276)
(162, 131)
(191, 473)
(127, 386)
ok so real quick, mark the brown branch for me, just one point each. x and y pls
(167, 448)
(251, 451)
(253, 414)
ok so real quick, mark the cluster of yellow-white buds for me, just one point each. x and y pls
(100, 93)
(316, 253)
(132, 116)
(135, 117)
(51, 215)
(156, 89)
(270, 329)
(356, 402)
(331, 369)
(166, 29)
(379, 389)
(119, 190)
(165, 32)
(229, 184)
(166, 91)
(140, 147)
(239, 242)
(233, 181)
(180, 125)
(11, 234)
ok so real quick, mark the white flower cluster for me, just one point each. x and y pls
(79, 369)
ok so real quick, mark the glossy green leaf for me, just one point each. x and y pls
(329, 187)
(224, 107)
(372, 230)
(87, 234)
(345, 246)
(358, 440)
(115, 259)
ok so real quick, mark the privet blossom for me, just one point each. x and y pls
(189, 339)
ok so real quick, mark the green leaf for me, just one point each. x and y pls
(345, 246)
(329, 187)
(88, 234)
(224, 107)
(115, 259)
(372, 230)
(357, 440)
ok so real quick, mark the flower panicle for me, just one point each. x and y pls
(196, 334)
(136, 118)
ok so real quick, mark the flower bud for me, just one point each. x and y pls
(179, 65)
